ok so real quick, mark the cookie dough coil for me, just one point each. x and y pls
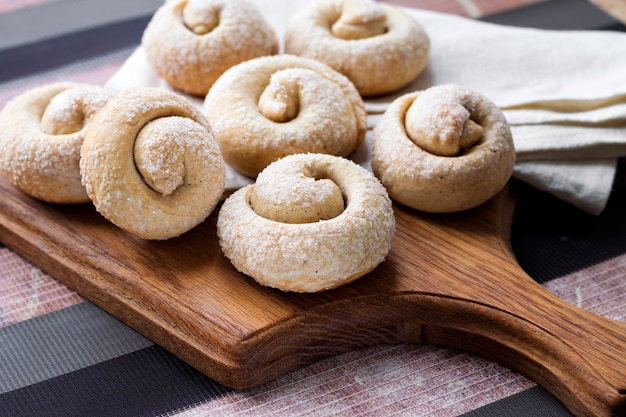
(41, 133)
(270, 107)
(444, 149)
(379, 47)
(190, 43)
(151, 165)
(310, 223)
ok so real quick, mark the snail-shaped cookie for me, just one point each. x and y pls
(271, 107)
(444, 149)
(190, 43)
(41, 133)
(311, 222)
(379, 47)
(151, 165)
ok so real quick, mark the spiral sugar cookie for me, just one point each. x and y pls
(271, 107)
(443, 149)
(190, 43)
(151, 165)
(379, 47)
(41, 133)
(310, 223)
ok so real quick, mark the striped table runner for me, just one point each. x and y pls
(62, 356)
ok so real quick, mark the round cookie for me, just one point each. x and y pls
(379, 47)
(270, 107)
(41, 133)
(444, 149)
(310, 223)
(151, 165)
(190, 43)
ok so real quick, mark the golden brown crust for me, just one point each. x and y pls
(379, 47)
(181, 175)
(41, 132)
(190, 43)
(270, 107)
(320, 253)
(471, 154)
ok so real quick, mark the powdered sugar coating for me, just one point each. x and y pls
(41, 133)
(315, 256)
(116, 186)
(191, 62)
(160, 152)
(330, 115)
(360, 19)
(297, 193)
(376, 64)
(434, 183)
(440, 120)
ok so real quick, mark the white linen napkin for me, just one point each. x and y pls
(563, 92)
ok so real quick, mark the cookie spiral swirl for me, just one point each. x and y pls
(311, 222)
(151, 165)
(379, 47)
(270, 107)
(444, 149)
(41, 133)
(190, 43)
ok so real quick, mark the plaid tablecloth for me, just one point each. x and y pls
(62, 356)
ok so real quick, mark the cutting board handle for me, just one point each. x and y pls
(577, 356)
(485, 303)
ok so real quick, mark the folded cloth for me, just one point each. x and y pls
(586, 183)
(564, 93)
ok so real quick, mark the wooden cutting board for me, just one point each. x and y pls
(450, 280)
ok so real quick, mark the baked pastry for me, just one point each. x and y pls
(41, 133)
(379, 47)
(150, 164)
(311, 222)
(190, 43)
(444, 149)
(270, 107)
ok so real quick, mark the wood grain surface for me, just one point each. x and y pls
(449, 280)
